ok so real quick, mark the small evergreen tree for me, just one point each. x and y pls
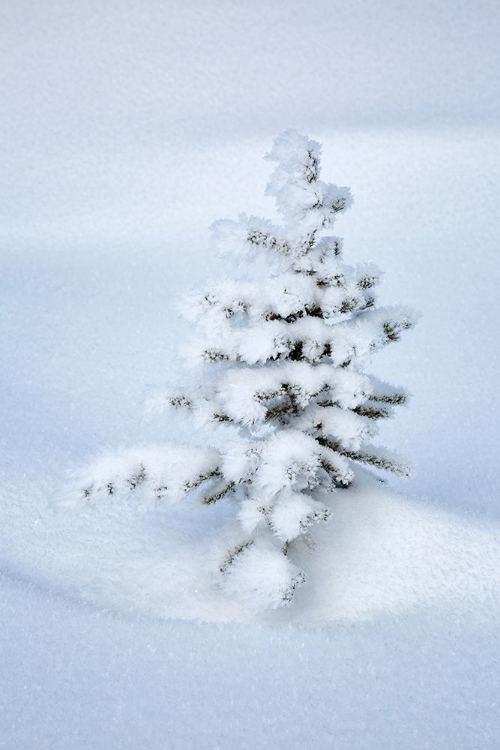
(283, 365)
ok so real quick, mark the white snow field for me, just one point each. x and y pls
(111, 633)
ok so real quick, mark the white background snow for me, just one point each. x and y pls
(125, 130)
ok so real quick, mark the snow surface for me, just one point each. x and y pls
(105, 199)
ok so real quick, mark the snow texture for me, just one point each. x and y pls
(117, 117)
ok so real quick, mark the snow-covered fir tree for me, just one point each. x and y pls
(282, 372)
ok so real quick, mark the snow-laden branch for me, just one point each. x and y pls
(338, 291)
(301, 197)
(151, 473)
(349, 343)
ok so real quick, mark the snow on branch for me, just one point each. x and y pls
(252, 396)
(300, 196)
(334, 291)
(297, 157)
(373, 455)
(151, 473)
(256, 575)
(387, 394)
(349, 343)
(347, 427)
(249, 235)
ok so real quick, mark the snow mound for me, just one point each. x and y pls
(380, 553)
